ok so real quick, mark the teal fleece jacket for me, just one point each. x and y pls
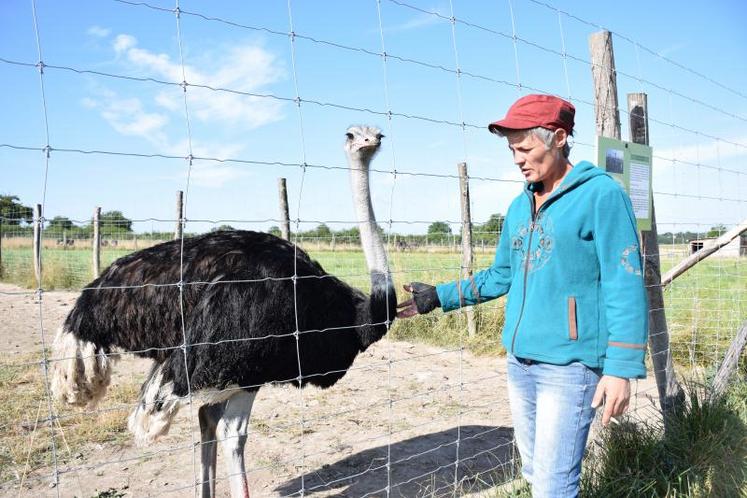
(573, 277)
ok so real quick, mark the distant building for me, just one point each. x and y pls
(734, 249)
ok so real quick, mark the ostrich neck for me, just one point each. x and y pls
(373, 246)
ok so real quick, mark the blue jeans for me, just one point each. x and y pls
(551, 411)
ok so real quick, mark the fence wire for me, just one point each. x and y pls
(409, 419)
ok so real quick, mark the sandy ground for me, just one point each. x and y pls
(401, 403)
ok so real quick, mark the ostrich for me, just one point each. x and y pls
(239, 335)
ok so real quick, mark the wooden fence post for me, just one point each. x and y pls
(467, 257)
(284, 214)
(605, 84)
(670, 392)
(96, 241)
(2, 222)
(37, 243)
(179, 228)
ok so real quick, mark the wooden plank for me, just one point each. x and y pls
(703, 253)
(731, 360)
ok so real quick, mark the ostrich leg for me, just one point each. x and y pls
(232, 429)
(209, 416)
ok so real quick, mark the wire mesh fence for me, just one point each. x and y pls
(423, 412)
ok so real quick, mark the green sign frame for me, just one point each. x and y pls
(631, 165)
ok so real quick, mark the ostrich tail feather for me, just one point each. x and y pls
(81, 370)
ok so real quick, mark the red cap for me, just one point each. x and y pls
(531, 111)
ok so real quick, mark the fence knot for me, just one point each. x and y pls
(178, 12)
(41, 66)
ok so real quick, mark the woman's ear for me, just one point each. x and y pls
(561, 138)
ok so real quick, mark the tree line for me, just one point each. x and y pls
(18, 218)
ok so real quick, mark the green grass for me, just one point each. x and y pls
(61, 268)
(705, 307)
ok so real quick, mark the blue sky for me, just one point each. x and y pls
(114, 88)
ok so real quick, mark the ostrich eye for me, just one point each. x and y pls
(379, 136)
(350, 136)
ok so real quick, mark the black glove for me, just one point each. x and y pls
(424, 300)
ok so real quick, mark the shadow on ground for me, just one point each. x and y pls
(421, 466)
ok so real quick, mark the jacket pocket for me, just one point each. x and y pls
(572, 325)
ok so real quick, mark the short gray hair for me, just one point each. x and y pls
(547, 137)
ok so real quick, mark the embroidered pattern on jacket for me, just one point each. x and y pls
(545, 243)
(630, 260)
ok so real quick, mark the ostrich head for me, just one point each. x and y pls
(362, 144)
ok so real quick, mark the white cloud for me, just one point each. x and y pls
(147, 114)
(128, 117)
(123, 43)
(98, 31)
(211, 174)
(246, 68)
(711, 152)
(169, 101)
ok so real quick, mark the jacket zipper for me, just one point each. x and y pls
(528, 257)
(526, 271)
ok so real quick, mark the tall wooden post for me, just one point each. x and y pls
(179, 228)
(37, 243)
(284, 214)
(670, 392)
(605, 84)
(96, 241)
(467, 258)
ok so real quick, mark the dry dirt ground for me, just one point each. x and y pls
(401, 403)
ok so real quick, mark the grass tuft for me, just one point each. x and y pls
(702, 453)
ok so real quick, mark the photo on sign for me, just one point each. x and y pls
(614, 161)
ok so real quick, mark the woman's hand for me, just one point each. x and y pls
(424, 300)
(615, 393)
